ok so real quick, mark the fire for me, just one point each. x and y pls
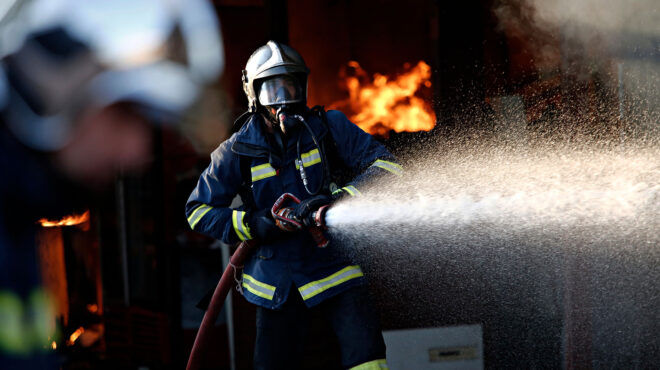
(66, 221)
(53, 345)
(75, 335)
(386, 103)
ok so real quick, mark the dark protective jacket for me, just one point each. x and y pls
(317, 273)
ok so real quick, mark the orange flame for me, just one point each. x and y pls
(385, 103)
(66, 221)
(53, 345)
(75, 335)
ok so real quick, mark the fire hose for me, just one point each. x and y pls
(285, 220)
(217, 300)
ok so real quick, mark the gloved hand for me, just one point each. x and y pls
(262, 226)
(303, 211)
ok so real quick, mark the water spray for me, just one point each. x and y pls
(547, 191)
(539, 240)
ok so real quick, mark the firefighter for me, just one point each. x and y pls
(282, 146)
(78, 88)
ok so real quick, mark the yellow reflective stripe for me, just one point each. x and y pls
(389, 166)
(193, 213)
(26, 327)
(314, 153)
(197, 214)
(258, 288)
(262, 171)
(372, 365)
(310, 158)
(244, 226)
(308, 291)
(352, 190)
(237, 219)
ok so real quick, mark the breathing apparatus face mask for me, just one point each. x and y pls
(283, 97)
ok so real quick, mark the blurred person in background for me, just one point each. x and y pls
(80, 84)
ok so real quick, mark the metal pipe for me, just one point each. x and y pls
(229, 313)
(123, 237)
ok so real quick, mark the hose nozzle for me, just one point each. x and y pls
(319, 216)
(286, 221)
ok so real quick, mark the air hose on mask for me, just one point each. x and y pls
(287, 122)
(299, 161)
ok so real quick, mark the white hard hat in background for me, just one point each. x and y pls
(62, 56)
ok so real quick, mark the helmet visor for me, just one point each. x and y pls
(280, 90)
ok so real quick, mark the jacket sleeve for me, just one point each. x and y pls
(207, 209)
(361, 152)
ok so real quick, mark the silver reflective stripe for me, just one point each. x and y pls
(197, 215)
(262, 171)
(258, 288)
(316, 287)
(241, 229)
(389, 166)
(309, 159)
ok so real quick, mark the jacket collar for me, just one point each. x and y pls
(251, 139)
(252, 135)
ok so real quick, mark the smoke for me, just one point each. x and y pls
(587, 30)
(611, 49)
(582, 19)
(600, 15)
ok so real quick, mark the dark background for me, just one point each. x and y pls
(476, 59)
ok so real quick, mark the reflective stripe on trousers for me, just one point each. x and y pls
(372, 365)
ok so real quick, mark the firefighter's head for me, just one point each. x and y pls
(275, 83)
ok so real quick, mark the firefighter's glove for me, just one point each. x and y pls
(304, 211)
(262, 226)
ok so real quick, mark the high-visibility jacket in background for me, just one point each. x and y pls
(276, 266)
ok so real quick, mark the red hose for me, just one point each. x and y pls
(217, 300)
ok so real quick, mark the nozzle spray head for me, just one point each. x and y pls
(319, 216)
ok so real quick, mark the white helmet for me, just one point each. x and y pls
(283, 67)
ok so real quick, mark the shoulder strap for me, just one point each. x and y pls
(240, 121)
(245, 190)
(338, 172)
